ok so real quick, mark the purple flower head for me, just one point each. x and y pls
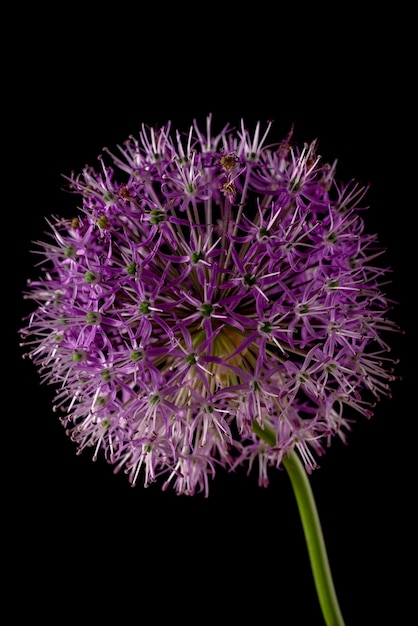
(210, 286)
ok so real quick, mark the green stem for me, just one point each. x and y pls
(312, 529)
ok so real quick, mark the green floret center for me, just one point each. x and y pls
(206, 309)
(78, 355)
(89, 277)
(250, 280)
(157, 216)
(191, 359)
(109, 197)
(103, 222)
(197, 256)
(70, 251)
(106, 375)
(93, 318)
(144, 307)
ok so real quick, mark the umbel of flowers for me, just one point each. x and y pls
(210, 288)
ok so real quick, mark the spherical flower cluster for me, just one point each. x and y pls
(211, 288)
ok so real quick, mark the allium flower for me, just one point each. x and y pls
(212, 288)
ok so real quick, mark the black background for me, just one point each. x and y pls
(80, 541)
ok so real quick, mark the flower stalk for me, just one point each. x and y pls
(312, 530)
